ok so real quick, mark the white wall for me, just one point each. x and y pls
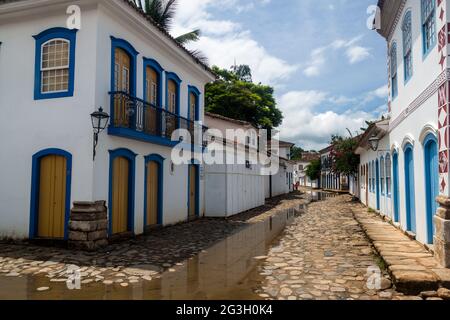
(28, 126)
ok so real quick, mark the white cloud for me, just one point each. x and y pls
(313, 130)
(357, 54)
(225, 41)
(319, 56)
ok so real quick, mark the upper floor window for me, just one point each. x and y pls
(153, 82)
(172, 103)
(123, 69)
(55, 63)
(428, 24)
(394, 78)
(407, 45)
(173, 93)
(194, 106)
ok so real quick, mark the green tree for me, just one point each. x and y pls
(296, 153)
(163, 13)
(231, 95)
(313, 170)
(344, 159)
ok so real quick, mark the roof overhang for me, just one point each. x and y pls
(377, 129)
(389, 15)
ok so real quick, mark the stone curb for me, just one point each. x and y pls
(411, 266)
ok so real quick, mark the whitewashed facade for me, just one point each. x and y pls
(230, 187)
(38, 123)
(417, 137)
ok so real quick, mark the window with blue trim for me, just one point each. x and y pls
(370, 177)
(373, 176)
(428, 25)
(173, 93)
(194, 104)
(394, 78)
(153, 82)
(54, 63)
(382, 175)
(388, 175)
(407, 45)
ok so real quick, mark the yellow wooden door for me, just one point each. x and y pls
(121, 83)
(152, 193)
(120, 195)
(52, 197)
(192, 191)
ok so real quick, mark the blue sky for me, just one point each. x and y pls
(328, 69)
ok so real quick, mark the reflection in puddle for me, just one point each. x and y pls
(320, 195)
(227, 270)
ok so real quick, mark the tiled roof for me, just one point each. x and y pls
(218, 116)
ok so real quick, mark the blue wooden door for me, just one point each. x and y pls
(409, 190)
(377, 174)
(431, 183)
(395, 188)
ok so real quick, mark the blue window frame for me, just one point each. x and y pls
(171, 76)
(382, 176)
(388, 164)
(132, 53)
(156, 67)
(394, 76)
(428, 25)
(194, 91)
(54, 63)
(407, 45)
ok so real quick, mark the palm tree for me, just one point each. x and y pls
(163, 13)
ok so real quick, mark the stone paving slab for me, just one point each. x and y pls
(412, 267)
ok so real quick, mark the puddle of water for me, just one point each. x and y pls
(225, 271)
(320, 195)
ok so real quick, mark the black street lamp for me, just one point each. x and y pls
(374, 141)
(100, 120)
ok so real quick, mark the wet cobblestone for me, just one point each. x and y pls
(324, 255)
(139, 260)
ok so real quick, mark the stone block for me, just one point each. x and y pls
(84, 226)
(442, 229)
(97, 235)
(74, 216)
(77, 236)
(102, 225)
(415, 282)
(101, 215)
(444, 209)
(442, 252)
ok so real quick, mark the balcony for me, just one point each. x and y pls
(137, 119)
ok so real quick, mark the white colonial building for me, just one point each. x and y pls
(409, 168)
(300, 167)
(282, 181)
(53, 77)
(234, 182)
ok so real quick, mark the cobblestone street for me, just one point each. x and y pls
(324, 255)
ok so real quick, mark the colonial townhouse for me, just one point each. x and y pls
(53, 77)
(234, 181)
(412, 157)
(375, 182)
(330, 180)
(282, 180)
(300, 168)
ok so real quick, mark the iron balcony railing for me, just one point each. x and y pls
(129, 112)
